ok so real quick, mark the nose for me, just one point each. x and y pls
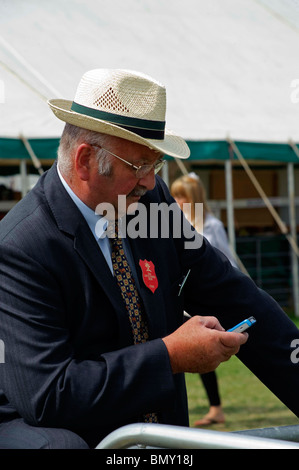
(148, 181)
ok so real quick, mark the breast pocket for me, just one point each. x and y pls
(175, 300)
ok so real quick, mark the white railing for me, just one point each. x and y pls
(160, 436)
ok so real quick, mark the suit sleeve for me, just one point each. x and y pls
(42, 377)
(215, 287)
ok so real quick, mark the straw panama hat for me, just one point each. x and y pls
(124, 104)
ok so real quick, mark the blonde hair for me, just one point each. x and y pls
(193, 190)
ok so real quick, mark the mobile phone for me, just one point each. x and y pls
(243, 326)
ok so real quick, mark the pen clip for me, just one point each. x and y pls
(183, 283)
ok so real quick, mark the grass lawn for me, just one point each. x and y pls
(247, 403)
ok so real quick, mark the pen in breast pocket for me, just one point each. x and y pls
(183, 283)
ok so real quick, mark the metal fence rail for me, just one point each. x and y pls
(285, 433)
(160, 436)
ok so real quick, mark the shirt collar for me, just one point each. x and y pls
(96, 222)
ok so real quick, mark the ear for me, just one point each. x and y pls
(83, 161)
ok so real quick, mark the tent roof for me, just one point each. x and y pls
(230, 67)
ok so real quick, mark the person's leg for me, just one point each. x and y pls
(210, 383)
(16, 434)
(215, 414)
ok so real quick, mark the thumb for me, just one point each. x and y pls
(232, 340)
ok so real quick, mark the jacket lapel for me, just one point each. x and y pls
(143, 249)
(88, 249)
(70, 221)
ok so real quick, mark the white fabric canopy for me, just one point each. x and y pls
(230, 66)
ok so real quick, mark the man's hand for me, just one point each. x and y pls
(201, 344)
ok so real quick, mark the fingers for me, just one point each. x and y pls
(232, 342)
(233, 339)
(210, 322)
(201, 344)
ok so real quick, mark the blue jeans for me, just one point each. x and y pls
(16, 434)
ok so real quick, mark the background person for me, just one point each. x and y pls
(189, 189)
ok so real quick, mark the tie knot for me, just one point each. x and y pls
(112, 229)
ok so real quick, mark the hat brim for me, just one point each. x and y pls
(172, 144)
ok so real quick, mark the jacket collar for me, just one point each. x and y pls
(70, 221)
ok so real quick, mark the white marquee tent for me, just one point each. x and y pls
(230, 68)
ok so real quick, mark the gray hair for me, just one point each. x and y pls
(72, 137)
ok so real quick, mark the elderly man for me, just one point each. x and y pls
(91, 313)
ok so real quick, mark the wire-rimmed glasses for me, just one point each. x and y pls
(142, 170)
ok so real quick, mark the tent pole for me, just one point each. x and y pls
(291, 186)
(181, 166)
(265, 198)
(230, 214)
(165, 173)
(229, 204)
(292, 217)
(33, 157)
(24, 177)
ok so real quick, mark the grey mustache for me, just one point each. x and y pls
(138, 192)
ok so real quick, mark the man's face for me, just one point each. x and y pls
(122, 180)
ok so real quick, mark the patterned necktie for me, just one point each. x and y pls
(126, 283)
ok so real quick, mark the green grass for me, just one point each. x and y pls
(246, 402)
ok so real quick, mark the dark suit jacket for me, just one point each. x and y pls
(69, 357)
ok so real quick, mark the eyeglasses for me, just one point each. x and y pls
(142, 170)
